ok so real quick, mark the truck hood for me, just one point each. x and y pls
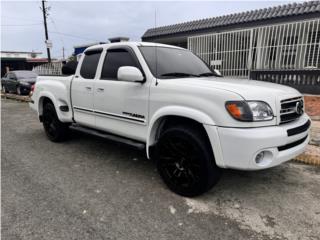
(248, 89)
(270, 93)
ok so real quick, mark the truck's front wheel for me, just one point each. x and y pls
(185, 160)
(55, 130)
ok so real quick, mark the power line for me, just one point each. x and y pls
(74, 36)
(19, 25)
(20, 18)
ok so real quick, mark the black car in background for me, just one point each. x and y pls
(19, 82)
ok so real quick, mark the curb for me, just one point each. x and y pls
(315, 118)
(15, 97)
(310, 156)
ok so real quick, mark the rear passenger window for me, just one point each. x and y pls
(89, 64)
(115, 59)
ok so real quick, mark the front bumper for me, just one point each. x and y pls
(25, 89)
(238, 147)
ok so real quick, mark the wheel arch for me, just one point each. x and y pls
(45, 98)
(57, 102)
(170, 115)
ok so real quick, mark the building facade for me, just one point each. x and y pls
(16, 60)
(279, 44)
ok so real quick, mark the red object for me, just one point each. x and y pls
(33, 87)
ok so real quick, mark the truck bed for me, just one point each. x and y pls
(57, 88)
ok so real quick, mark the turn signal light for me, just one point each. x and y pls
(234, 110)
(33, 87)
(239, 110)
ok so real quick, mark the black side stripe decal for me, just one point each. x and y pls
(109, 114)
(83, 109)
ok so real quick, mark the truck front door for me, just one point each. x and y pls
(82, 89)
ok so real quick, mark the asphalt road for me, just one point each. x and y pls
(88, 188)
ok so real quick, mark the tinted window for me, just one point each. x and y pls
(89, 65)
(115, 59)
(11, 76)
(167, 62)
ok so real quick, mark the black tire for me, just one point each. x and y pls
(18, 90)
(56, 130)
(185, 160)
(4, 89)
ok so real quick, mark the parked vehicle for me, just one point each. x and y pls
(168, 101)
(18, 82)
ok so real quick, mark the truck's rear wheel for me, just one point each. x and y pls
(185, 161)
(55, 130)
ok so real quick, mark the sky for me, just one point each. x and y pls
(72, 23)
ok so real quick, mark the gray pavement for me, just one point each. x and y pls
(88, 188)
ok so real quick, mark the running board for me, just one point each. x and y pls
(109, 136)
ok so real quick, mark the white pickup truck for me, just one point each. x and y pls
(167, 100)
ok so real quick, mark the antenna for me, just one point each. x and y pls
(155, 49)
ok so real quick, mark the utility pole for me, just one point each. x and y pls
(63, 53)
(44, 11)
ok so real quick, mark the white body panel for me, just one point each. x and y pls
(135, 110)
(82, 99)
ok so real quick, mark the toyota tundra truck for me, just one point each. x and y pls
(166, 100)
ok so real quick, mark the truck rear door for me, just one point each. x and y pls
(82, 89)
(121, 107)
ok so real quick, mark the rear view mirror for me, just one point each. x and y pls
(130, 74)
(69, 68)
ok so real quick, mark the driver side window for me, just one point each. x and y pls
(115, 59)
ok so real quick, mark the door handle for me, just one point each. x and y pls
(88, 88)
(100, 89)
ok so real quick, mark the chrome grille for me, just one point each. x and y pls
(288, 111)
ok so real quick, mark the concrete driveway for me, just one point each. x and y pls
(87, 188)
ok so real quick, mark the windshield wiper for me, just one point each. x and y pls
(207, 74)
(178, 74)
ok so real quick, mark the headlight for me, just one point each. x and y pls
(261, 111)
(249, 111)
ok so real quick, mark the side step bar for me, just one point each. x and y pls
(109, 136)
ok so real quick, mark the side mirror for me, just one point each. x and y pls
(69, 68)
(217, 72)
(130, 74)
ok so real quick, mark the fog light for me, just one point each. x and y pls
(259, 157)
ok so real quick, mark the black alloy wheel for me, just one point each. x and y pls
(55, 130)
(185, 161)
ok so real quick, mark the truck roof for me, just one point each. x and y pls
(131, 44)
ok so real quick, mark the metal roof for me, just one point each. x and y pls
(22, 52)
(287, 10)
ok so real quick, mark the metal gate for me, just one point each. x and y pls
(289, 46)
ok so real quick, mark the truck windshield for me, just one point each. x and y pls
(174, 63)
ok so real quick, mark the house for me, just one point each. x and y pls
(19, 60)
(278, 44)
